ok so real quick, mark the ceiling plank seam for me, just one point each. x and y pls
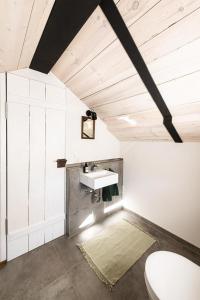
(116, 21)
(64, 22)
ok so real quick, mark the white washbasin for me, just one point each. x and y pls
(98, 179)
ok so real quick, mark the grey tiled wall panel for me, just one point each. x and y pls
(79, 203)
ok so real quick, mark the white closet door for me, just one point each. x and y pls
(18, 175)
(35, 140)
(37, 177)
(55, 149)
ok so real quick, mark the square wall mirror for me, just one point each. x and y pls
(87, 128)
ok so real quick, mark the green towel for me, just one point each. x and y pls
(109, 191)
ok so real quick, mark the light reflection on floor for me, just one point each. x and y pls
(88, 221)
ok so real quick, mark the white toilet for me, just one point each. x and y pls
(170, 276)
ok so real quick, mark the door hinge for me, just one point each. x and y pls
(6, 226)
(6, 110)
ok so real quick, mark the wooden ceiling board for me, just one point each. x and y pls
(127, 106)
(181, 114)
(100, 72)
(39, 16)
(22, 23)
(183, 90)
(185, 60)
(186, 119)
(95, 36)
(14, 20)
(189, 133)
(148, 118)
(146, 133)
(189, 109)
(110, 66)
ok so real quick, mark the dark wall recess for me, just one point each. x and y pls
(65, 20)
(116, 21)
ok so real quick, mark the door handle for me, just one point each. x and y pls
(61, 163)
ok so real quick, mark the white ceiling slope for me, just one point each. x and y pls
(97, 69)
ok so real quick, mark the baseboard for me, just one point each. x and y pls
(26, 239)
(186, 244)
(3, 263)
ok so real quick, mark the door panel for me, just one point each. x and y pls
(55, 95)
(37, 165)
(18, 172)
(18, 166)
(55, 148)
(37, 175)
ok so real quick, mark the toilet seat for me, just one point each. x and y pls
(170, 276)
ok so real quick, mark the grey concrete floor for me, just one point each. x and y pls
(58, 270)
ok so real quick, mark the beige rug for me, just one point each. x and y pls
(112, 252)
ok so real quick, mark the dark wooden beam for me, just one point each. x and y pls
(116, 21)
(64, 22)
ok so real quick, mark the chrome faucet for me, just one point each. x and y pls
(94, 166)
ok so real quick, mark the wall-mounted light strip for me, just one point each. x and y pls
(116, 21)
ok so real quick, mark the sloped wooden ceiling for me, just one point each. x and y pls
(97, 69)
(21, 25)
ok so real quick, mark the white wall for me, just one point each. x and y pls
(104, 146)
(162, 184)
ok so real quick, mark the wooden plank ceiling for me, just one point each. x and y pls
(97, 69)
